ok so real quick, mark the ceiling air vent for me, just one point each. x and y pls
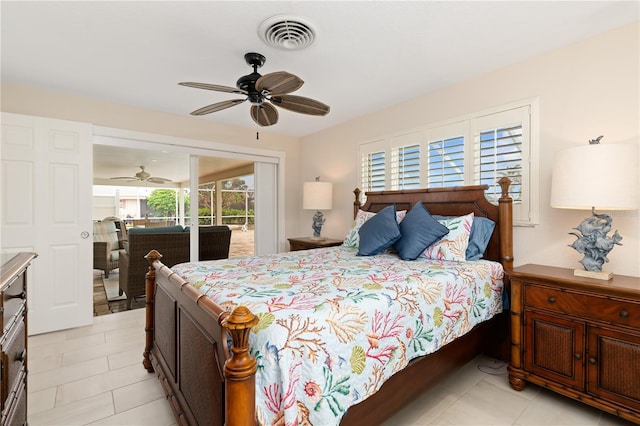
(288, 32)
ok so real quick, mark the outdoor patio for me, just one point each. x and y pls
(105, 291)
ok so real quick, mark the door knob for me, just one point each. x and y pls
(84, 235)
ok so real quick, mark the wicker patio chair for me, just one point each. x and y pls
(173, 244)
(174, 247)
(214, 242)
(107, 247)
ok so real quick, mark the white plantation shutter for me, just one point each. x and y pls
(446, 162)
(501, 148)
(405, 161)
(498, 152)
(373, 167)
(405, 167)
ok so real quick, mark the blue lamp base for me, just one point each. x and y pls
(594, 243)
(318, 221)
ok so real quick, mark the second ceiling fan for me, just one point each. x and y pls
(263, 91)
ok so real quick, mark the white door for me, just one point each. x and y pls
(46, 208)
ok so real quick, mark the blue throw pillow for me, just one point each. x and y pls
(379, 232)
(419, 230)
(481, 231)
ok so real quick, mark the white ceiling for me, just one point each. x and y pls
(368, 56)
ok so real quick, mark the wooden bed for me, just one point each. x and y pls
(222, 390)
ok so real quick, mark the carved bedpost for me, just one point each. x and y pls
(240, 370)
(505, 204)
(356, 203)
(150, 281)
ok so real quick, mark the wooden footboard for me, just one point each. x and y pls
(186, 345)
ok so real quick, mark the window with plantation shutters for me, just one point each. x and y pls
(446, 162)
(405, 167)
(502, 147)
(498, 153)
(374, 171)
(373, 166)
(475, 150)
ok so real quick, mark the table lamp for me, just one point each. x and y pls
(317, 196)
(590, 177)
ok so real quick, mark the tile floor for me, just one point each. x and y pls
(93, 376)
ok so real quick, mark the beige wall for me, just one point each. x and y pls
(44, 103)
(587, 89)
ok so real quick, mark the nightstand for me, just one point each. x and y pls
(305, 243)
(577, 336)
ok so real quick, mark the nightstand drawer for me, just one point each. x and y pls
(600, 308)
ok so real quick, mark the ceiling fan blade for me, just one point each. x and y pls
(218, 106)
(279, 82)
(158, 180)
(300, 104)
(131, 178)
(216, 87)
(264, 114)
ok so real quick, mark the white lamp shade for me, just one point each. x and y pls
(604, 176)
(317, 196)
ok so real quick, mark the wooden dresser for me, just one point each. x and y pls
(13, 342)
(577, 336)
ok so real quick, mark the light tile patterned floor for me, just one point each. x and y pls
(93, 376)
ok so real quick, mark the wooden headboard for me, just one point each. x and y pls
(455, 201)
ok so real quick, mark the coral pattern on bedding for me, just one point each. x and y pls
(333, 326)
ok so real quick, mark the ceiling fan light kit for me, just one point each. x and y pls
(263, 91)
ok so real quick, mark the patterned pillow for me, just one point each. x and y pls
(481, 232)
(452, 246)
(353, 238)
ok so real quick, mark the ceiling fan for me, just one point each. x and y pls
(143, 176)
(263, 91)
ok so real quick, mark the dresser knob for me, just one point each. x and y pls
(551, 299)
(577, 356)
(22, 296)
(624, 314)
(592, 360)
(20, 355)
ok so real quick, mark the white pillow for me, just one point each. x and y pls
(452, 246)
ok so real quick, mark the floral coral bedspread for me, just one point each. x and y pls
(333, 326)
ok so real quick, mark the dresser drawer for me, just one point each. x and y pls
(13, 298)
(15, 414)
(13, 356)
(596, 307)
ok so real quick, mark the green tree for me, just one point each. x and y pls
(163, 202)
(234, 200)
